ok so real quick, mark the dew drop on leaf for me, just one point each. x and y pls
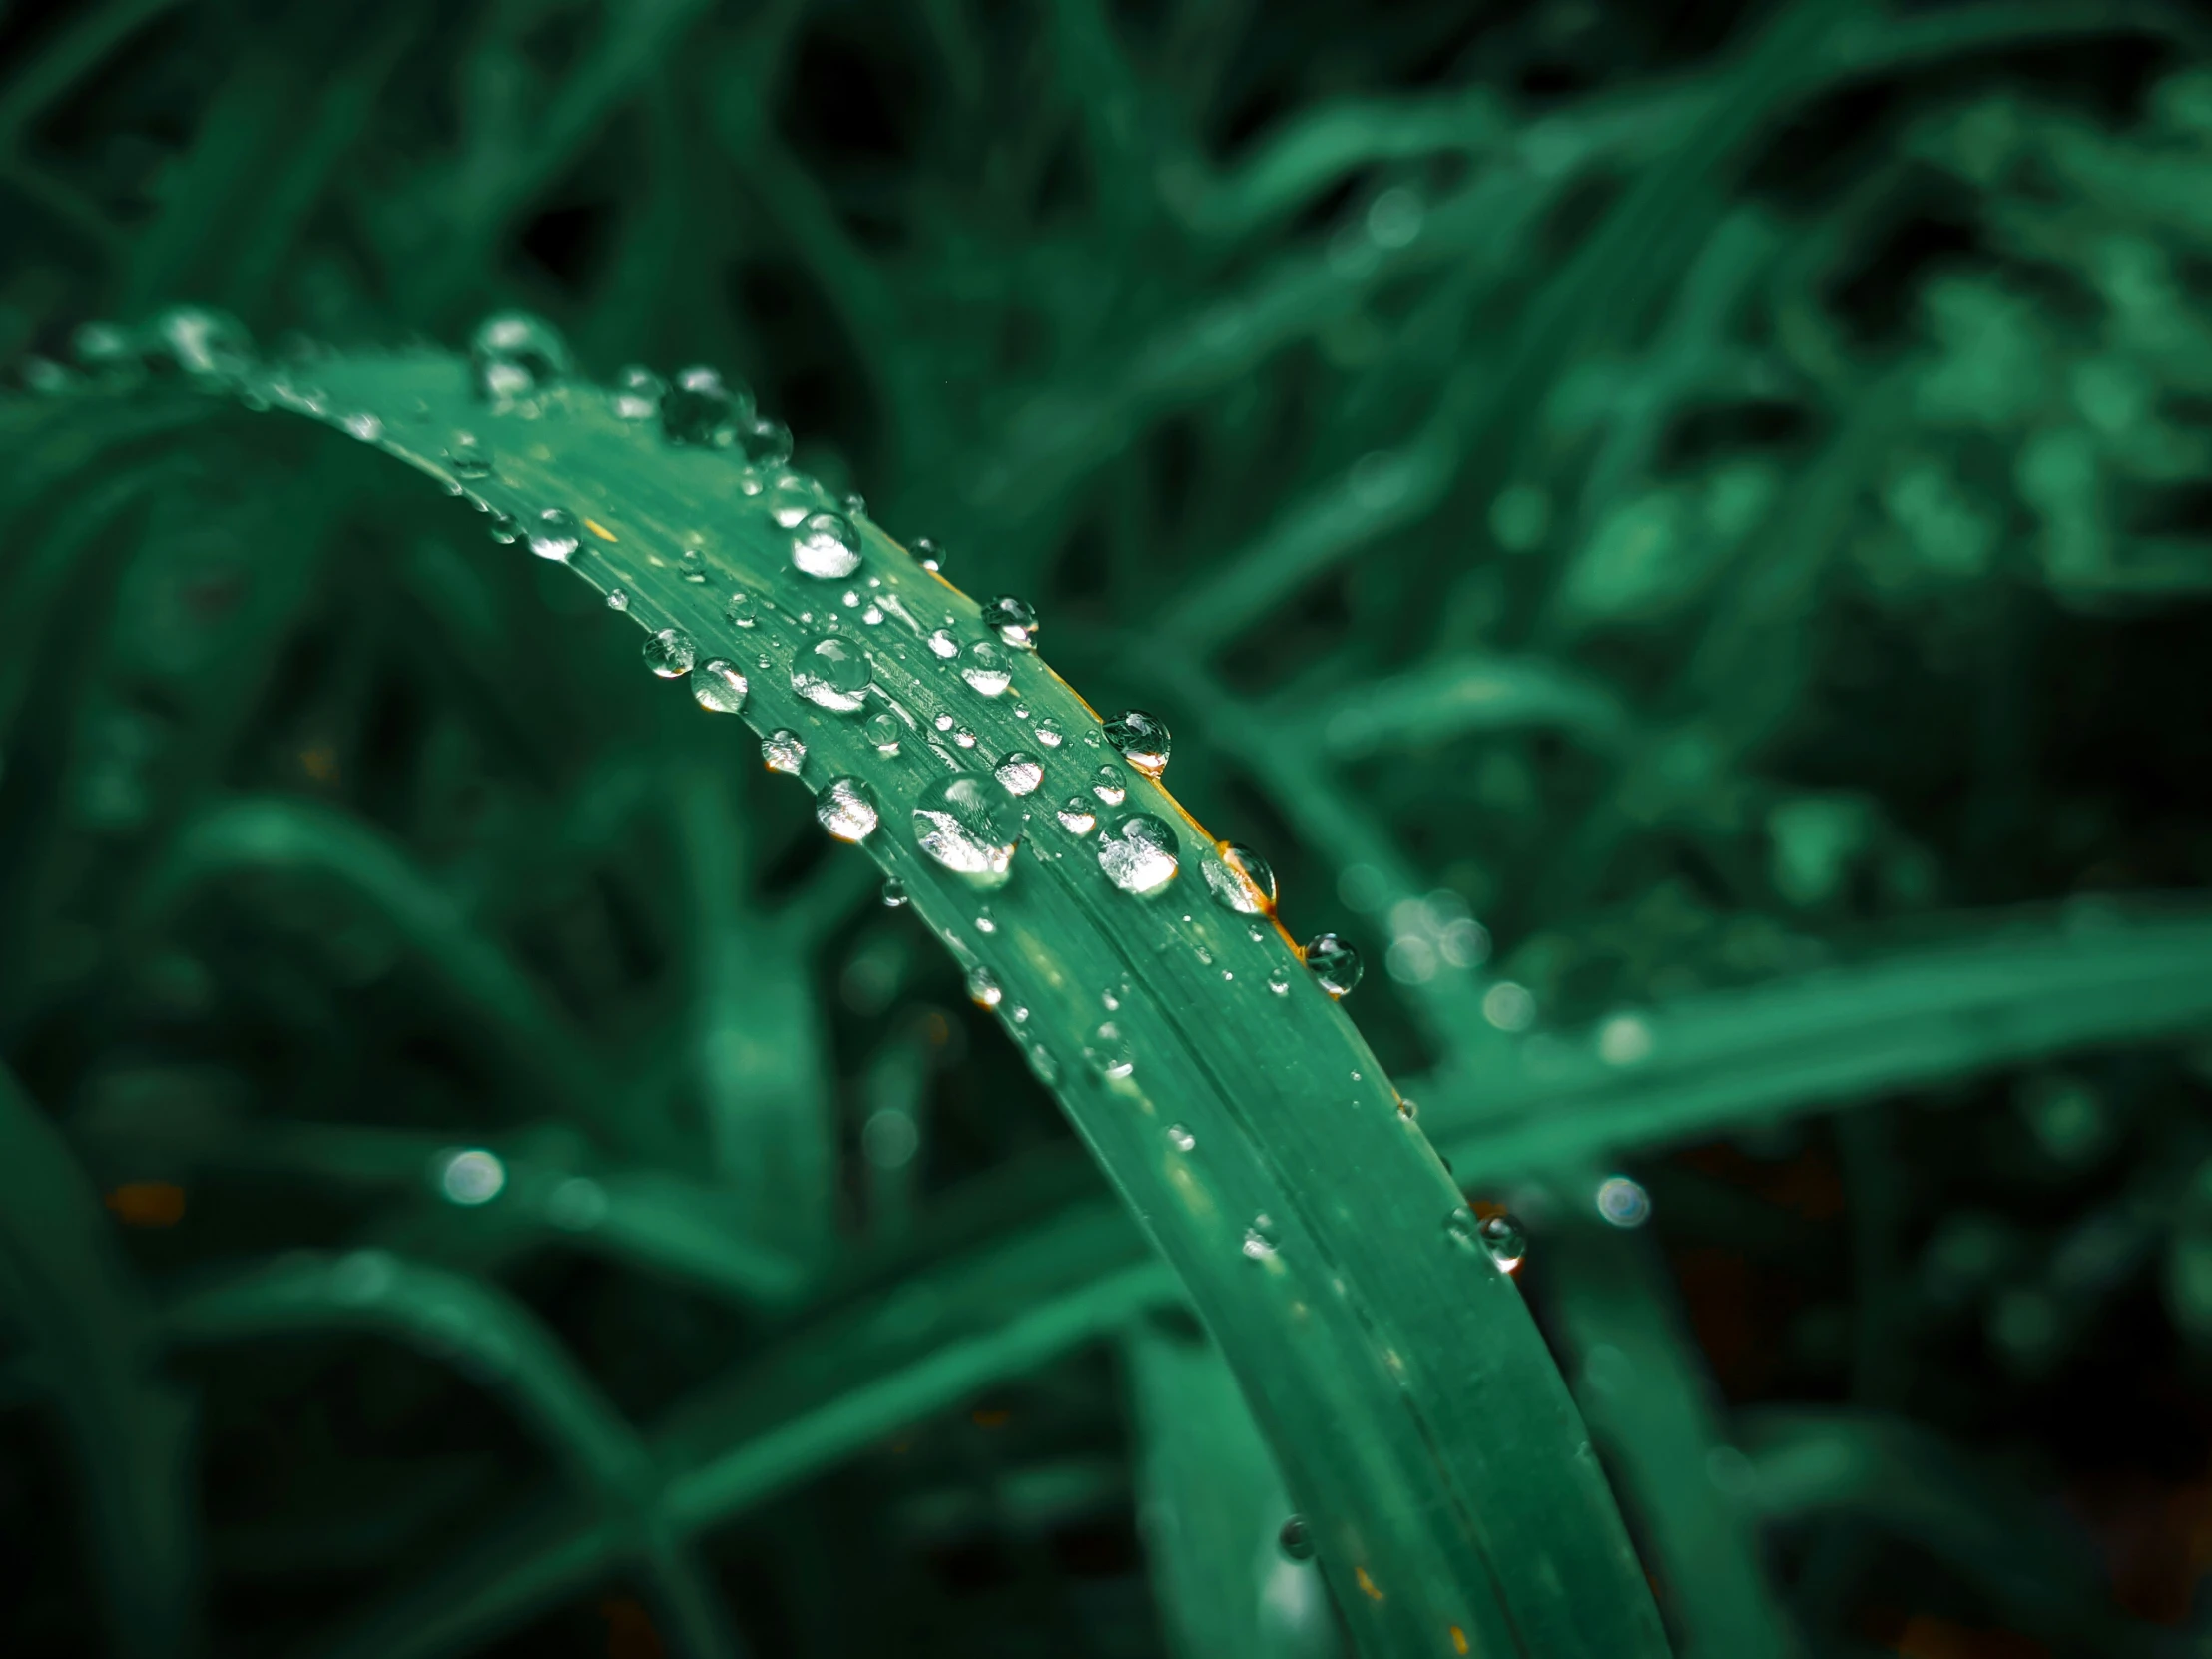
(831, 673)
(1109, 1052)
(785, 751)
(1077, 815)
(1019, 772)
(894, 893)
(1141, 738)
(984, 989)
(1181, 1138)
(468, 456)
(1335, 964)
(955, 827)
(698, 407)
(693, 563)
(1243, 882)
(847, 809)
(1138, 853)
(942, 643)
(1506, 1239)
(1295, 1539)
(1110, 784)
(1279, 982)
(1262, 1238)
(719, 686)
(1014, 620)
(985, 668)
(637, 393)
(884, 731)
(766, 442)
(515, 355)
(826, 546)
(739, 609)
(505, 529)
(929, 553)
(617, 600)
(553, 533)
(1048, 734)
(669, 652)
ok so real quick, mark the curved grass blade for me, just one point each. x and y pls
(93, 1349)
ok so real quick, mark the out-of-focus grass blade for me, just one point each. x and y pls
(1467, 693)
(93, 1352)
(2025, 987)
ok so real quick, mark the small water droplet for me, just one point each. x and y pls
(985, 668)
(965, 737)
(1014, 620)
(884, 731)
(1506, 1239)
(669, 652)
(1041, 1063)
(831, 673)
(468, 456)
(985, 922)
(1623, 1202)
(515, 355)
(505, 529)
(784, 749)
(617, 600)
(1279, 982)
(847, 809)
(1109, 1053)
(1142, 739)
(739, 609)
(942, 643)
(698, 409)
(828, 547)
(1242, 881)
(1138, 853)
(1019, 772)
(1335, 964)
(366, 427)
(894, 893)
(1295, 1539)
(1048, 734)
(766, 442)
(1076, 814)
(1262, 1238)
(1408, 1110)
(1181, 1138)
(719, 686)
(984, 989)
(872, 616)
(637, 393)
(955, 826)
(942, 722)
(693, 563)
(929, 553)
(553, 533)
(1110, 784)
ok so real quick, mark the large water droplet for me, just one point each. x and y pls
(1138, 853)
(928, 552)
(955, 825)
(699, 409)
(1335, 964)
(985, 667)
(1019, 772)
(833, 673)
(554, 533)
(785, 751)
(1076, 814)
(766, 442)
(826, 546)
(847, 809)
(1109, 1053)
(1111, 785)
(984, 989)
(637, 393)
(719, 686)
(515, 354)
(468, 456)
(1141, 738)
(1242, 881)
(1014, 620)
(669, 652)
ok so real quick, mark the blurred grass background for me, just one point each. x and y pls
(1682, 530)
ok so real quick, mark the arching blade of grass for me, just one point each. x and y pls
(1419, 1420)
(93, 1349)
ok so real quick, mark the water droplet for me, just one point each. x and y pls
(617, 600)
(984, 922)
(697, 409)
(719, 686)
(1077, 815)
(1408, 1110)
(894, 893)
(1110, 997)
(669, 652)
(366, 427)
(1043, 1065)
(942, 722)
(203, 341)
(1295, 1539)
(985, 668)
(1279, 982)
(1014, 620)
(1623, 1202)
(1138, 853)
(504, 529)
(766, 442)
(784, 749)
(553, 533)
(929, 553)
(637, 393)
(826, 546)
(847, 809)
(965, 737)
(1141, 738)
(1506, 1239)
(1333, 963)
(955, 825)
(468, 456)
(740, 609)
(831, 673)
(1109, 1053)
(1048, 734)
(1110, 784)
(1242, 881)
(1019, 772)
(942, 643)
(1181, 1138)
(884, 731)
(693, 563)
(1262, 1238)
(515, 354)
(984, 989)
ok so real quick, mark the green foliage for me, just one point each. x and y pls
(1682, 540)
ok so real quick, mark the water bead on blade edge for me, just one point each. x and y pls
(1141, 738)
(698, 407)
(955, 827)
(785, 751)
(1242, 881)
(1335, 964)
(847, 809)
(719, 686)
(515, 355)
(669, 652)
(1014, 620)
(894, 893)
(1506, 1239)
(553, 533)
(984, 989)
